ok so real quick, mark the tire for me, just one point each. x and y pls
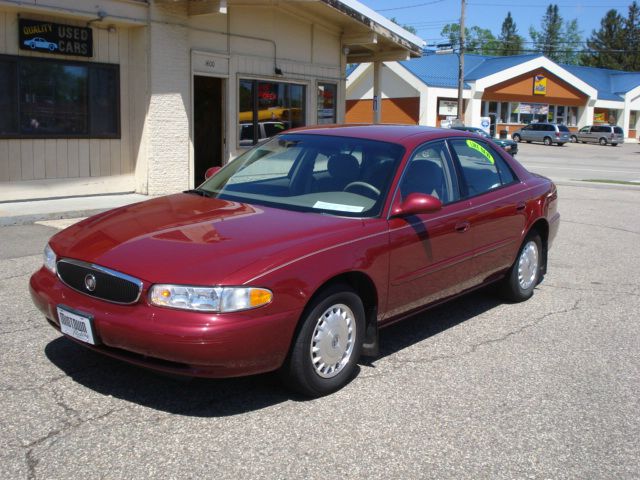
(516, 138)
(614, 144)
(525, 272)
(561, 144)
(528, 141)
(547, 141)
(574, 139)
(327, 347)
(602, 141)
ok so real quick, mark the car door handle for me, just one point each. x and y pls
(462, 226)
(521, 206)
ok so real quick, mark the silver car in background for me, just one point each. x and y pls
(602, 134)
(547, 133)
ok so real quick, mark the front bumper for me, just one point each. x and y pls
(176, 341)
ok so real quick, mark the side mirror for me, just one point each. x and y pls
(416, 204)
(211, 171)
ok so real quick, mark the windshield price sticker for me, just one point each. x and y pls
(479, 148)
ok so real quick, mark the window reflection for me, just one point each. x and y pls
(268, 108)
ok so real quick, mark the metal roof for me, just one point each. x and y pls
(442, 71)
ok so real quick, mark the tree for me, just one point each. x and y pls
(477, 40)
(632, 38)
(509, 42)
(557, 40)
(408, 28)
(605, 48)
(571, 38)
(547, 40)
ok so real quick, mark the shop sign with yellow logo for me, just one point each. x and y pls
(539, 85)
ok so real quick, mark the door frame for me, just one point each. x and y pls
(219, 63)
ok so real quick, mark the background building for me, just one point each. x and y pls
(144, 95)
(511, 91)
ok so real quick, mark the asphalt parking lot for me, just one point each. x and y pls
(473, 389)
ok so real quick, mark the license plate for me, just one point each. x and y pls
(76, 325)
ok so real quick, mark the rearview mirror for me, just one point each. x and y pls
(416, 204)
(211, 171)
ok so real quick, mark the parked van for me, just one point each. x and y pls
(547, 133)
(602, 134)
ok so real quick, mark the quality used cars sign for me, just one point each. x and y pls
(56, 38)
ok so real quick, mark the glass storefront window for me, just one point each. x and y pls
(267, 108)
(56, 98)
(504, 112)
(8, 98)
(327, 103)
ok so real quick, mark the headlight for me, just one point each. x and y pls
(50, 259)
(209, 299)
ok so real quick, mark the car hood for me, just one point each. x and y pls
(189, 239)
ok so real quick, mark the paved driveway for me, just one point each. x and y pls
(577, 161)
(475, 389)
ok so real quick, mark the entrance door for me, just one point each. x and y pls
(208, 127)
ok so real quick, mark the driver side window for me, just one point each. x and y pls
(429, 171)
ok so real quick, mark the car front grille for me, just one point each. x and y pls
(99, 282)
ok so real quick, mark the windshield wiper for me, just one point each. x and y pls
(199, 191)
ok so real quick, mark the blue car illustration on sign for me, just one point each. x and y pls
(39, 42)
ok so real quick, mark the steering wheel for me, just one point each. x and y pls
(362, 188)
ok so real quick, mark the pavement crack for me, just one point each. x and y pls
(618, 229)
(475, 347)
(52, 436)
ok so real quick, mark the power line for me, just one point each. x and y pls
(543, 6)
(410, 6)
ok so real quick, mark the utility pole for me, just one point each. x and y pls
(461, 62)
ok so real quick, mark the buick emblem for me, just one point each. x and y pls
(90, 282)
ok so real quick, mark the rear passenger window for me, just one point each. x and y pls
(429, 171)
(482, 167)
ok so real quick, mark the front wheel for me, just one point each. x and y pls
(525, 272)
(328, 344)
(574, 139)
(516, 138)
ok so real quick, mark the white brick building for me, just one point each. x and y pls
(144, 95)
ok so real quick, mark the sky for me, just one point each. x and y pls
(429, 16)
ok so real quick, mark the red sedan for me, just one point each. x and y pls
(293, 255)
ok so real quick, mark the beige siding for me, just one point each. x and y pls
(41, 159)
(4, 160)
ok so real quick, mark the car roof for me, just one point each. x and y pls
(385, 132)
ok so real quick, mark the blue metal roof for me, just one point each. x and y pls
(442, 71)
(491, 65)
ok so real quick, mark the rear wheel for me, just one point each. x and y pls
(525, 272)
(603, 141)
(614, 144)
(328, 344)
(516, 138)
(547, 141)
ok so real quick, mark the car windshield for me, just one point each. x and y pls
(318, 173)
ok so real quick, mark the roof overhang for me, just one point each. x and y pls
(367, 36)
